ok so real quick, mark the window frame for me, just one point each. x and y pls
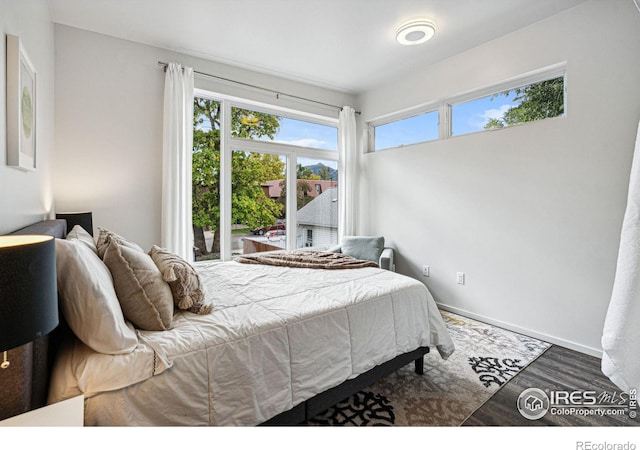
(292, 153)
(444, 106)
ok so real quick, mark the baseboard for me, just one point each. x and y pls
(534, 334)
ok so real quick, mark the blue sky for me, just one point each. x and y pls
(307, 134)
(298, 132)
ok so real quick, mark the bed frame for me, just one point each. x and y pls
(44, 354)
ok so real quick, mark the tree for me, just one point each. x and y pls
(305, 173)
(250, 205)
(536, 101)
(324, 173)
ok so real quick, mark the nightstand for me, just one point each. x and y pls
(67, 413)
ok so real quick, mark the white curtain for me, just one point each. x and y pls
(176, 228)
(347, 172)
(621, 334)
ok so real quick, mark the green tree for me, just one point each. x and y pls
(305, 173)
(249, 170)
(536, 101)
(324, 173)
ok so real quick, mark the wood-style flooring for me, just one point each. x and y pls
(556, 370)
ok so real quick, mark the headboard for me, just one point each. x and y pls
(27, 379)
(55, 227)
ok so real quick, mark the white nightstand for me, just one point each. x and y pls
(67, 413)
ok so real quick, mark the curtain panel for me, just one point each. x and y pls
(621, 334)
(177, 148)
(347, 173)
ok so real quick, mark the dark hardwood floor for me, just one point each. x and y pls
(558, 369)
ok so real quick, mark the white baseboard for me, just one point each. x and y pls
(534, 334)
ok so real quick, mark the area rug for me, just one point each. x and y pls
(448, 392)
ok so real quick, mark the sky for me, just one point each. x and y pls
(306, 134)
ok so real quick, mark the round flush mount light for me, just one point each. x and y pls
(415, 32)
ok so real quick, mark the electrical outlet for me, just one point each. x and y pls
(460, 278)
(425, 271)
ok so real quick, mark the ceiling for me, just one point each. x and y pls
(346, 45)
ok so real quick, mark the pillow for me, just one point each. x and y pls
(145, 298)
(367, 248)
(183, 280)
(104, 236)
(88, 300)
(79, 233)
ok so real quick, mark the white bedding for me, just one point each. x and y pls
(277, 336)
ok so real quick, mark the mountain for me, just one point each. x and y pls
(316, 168)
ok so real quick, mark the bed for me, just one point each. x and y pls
(280, 345)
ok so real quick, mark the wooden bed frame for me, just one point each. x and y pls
(44, 357)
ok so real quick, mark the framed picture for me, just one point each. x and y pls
(21, 106)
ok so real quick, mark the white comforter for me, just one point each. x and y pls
(276, 337)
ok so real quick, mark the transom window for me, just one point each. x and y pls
(535, 96)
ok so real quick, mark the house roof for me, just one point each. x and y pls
(322, 211)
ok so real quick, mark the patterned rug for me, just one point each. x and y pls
(486, 357)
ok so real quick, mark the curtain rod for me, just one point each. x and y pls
(277, 93)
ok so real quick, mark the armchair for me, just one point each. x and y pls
(368, 248)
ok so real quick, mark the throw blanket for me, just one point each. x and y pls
(308, 259)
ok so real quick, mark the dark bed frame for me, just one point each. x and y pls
(44, 353)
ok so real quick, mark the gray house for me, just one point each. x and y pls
(318, 221)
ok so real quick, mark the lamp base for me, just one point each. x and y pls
(24, 384)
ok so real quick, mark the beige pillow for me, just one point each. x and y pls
(88, 299)
(145, 298)
(104, 236)
(183, 280)
(79, 233)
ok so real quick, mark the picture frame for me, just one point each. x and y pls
(21, 106)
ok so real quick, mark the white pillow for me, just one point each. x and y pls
(83, 236)
(88, 299)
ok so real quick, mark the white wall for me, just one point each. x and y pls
(26, 196)
(109, 96)
(531, 214)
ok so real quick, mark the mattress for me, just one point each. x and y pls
(276, 337)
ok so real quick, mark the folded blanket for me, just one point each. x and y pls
(309, 259)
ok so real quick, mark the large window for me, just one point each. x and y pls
(253, 167)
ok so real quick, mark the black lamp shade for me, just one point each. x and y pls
(84, 219)
(28, 289)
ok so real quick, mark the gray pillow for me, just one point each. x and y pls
(367, 248)
(145, 298)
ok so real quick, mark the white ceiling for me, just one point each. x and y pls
(342, 44)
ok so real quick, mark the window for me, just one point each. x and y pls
(309, 242)
(288, 131)
(206, 178)
(411, 130)
(246, 162)
(535, 101)
(317, 209)
(534, 96)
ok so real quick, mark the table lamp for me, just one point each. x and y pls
(28, 299)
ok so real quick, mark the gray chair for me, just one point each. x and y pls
(368, 248)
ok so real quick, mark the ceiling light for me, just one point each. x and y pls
(415, 32)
